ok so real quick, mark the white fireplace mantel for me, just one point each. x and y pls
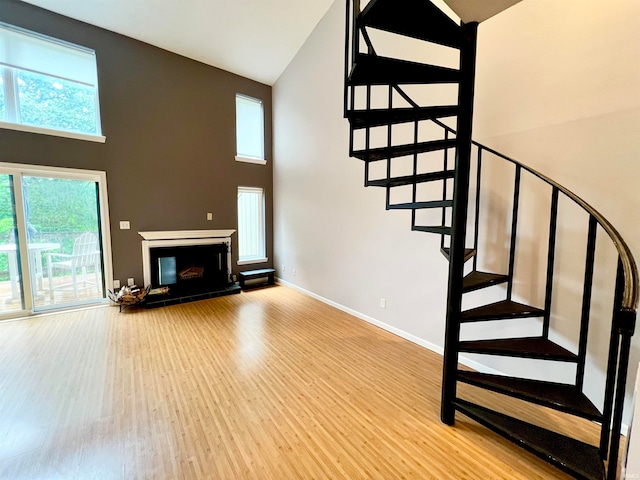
(184, 234)
(173, 238)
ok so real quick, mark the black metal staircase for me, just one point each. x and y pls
(367, 77)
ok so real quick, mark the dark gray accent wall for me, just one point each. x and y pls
(170, 128)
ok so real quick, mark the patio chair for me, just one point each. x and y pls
(86, 253)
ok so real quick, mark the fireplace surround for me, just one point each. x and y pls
(193, 264)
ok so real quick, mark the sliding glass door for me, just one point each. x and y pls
(53, 240)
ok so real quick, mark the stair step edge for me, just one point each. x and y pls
(421, 205)
(562, 397)
(569, 455)
(440, 229)
(384, 153)
(477, 280)
(441, 28)
(538, 348)
(410, 180)
(469, 253)
(503, 310)
(377, 117)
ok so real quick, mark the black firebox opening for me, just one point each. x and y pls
(190, 270)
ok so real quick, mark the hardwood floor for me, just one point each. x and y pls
(268, 384)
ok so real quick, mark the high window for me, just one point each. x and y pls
(47, 85)
(249, 130)
(251, 226)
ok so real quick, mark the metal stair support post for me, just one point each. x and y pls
(459, 221)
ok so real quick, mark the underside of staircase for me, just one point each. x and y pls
(436, 183)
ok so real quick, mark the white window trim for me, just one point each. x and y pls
(252, 260)
(20, 127)
(263, 228)
(248, 159)
(257, 161)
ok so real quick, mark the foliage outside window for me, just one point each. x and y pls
(249, 129)
(2, 107)
(47, 84)
(251, 225)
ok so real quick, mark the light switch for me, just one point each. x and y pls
(125, 225)
(209, 216)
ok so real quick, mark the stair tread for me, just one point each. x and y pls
(375, 70)
(418, 19)
(382, 153)
(563, 397)
(440, 229)
(504, 309)
(386, 116)
(421, 205)
(527, 347)
(468, 253)
(410, 179)
(572, 456)
(477, 280)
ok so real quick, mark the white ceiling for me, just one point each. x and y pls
(479, 11)
(253, 38)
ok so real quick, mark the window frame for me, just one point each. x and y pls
(12, 99)
(261, 160)
(261, 227)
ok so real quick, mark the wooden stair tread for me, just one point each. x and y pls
(572, 456)
(439, 229)
(422, 205)
(505, 309)
(410, 179)
(383, 153)
(374, 70)
(468, 253)
(477, 280)
(562, 397)
(417, 18)
(527, 347)
(386, 116)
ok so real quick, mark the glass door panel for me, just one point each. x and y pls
(64, 241)
(11, 288)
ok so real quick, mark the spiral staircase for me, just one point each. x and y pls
(456, 198)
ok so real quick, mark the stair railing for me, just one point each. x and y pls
(626, 296)
(626, 286)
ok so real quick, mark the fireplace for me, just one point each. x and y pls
(192, 265)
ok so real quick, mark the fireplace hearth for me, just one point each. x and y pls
(193, 264)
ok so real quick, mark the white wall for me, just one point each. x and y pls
(545, 97)
(336, 234)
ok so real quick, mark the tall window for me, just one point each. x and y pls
(249, 130)
(47, 84)
(251, 225)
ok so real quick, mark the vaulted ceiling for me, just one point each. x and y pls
(253, 38)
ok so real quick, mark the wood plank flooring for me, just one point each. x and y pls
(269, 384)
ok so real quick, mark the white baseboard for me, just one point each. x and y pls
(396, 331)
(477, 366)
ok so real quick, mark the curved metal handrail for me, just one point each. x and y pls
(630, 291)
(630, 296)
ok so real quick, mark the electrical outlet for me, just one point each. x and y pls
(293, 272)
(131, 282)
(283, 269)
(383, 303)
(125, 225)
(209, 216)
(116, 284)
